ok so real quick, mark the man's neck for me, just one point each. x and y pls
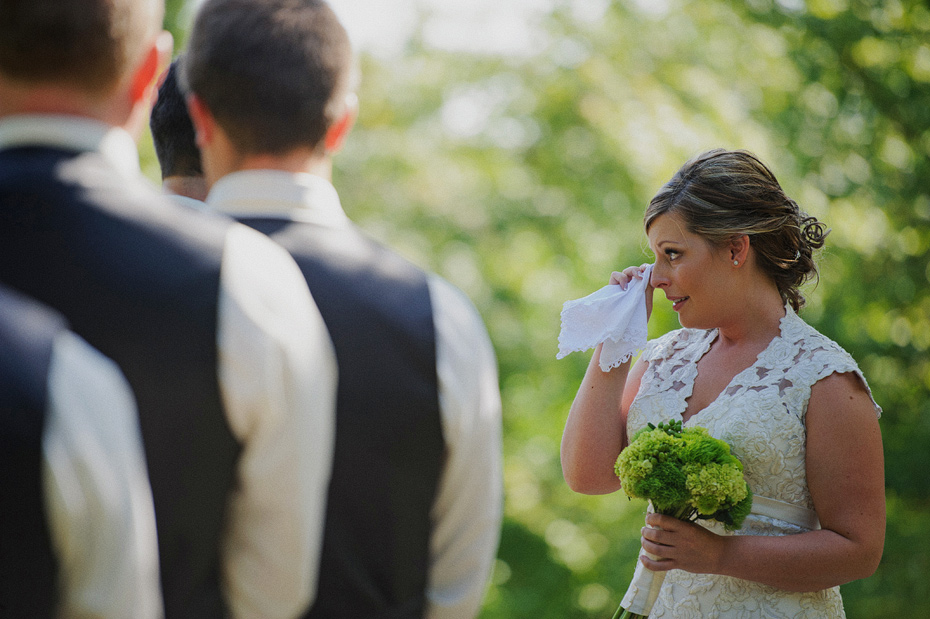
(220, 156)
(194, 187)
(221, 162)
(62, 100)
(297, 161)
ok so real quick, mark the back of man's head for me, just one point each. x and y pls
(274, 73)
(172, 130)
(87, 44)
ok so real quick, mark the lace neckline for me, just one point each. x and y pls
(734, 386)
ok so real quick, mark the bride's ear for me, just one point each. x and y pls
(739, 249)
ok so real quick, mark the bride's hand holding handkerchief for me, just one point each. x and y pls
(616, 315)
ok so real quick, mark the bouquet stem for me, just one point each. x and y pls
(642, 592)
(645, 584)
(623, 613)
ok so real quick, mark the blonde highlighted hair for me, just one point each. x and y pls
(725, 194)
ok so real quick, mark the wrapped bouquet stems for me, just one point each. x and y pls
(642, 592)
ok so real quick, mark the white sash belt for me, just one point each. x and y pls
(794, 514)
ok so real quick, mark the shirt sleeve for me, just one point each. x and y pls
(468, 510)
(99, 503)
(278, 381)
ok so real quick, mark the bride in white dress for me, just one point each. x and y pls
(731, 252)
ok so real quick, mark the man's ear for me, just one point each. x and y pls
(154, 62)
(158, 84)
(202, 119)
(337, 132)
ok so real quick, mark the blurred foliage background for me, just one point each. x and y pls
(522, 178)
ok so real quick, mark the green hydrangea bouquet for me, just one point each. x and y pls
(685, 473)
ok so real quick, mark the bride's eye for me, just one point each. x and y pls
(672, 254)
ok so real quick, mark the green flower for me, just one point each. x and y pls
(686, 473)
(715, 486)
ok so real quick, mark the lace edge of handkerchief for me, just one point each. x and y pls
(606, 367)
(636, 345)
(633, 346)
(565, 350)
(618, 363)
(589, 341)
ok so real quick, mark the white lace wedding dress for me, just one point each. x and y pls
(761, 415)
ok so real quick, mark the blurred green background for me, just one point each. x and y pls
(522, 178)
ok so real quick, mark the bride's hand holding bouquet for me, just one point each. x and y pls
(684, 473)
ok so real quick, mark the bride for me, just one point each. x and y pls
(731, 253)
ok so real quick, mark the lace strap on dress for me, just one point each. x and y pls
(821, 357)
(666, 346)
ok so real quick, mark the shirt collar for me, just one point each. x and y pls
(275, 193)
(197, 205)
(72, 133)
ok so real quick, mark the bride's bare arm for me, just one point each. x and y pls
(595, 431)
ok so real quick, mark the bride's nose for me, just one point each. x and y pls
(659, 277)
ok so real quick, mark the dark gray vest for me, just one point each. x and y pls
(28, 567)
(389, 449)
(138, 278)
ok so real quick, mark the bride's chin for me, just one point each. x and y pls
(686, 320)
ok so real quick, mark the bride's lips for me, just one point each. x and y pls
(677, 302)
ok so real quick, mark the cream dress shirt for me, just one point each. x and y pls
(468, 509)
(277, 375)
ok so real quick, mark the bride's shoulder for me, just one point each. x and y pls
(816, 356)
(811, 344)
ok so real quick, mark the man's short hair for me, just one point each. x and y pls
(172, 131)
(274, 73)
(85, 43)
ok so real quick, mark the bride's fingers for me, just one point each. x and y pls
(658, 551)
(657, 536)
(624, 277)
(619, 277)
(663, 522)
(656, 565)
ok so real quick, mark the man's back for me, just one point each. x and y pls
(211, 323)
(78, 535)
(120, 270)
(390, 449)
(413, 512)
(143, 281)
(414, 506)
(28, 567)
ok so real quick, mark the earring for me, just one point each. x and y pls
(736, 263)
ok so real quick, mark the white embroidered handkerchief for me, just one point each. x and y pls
(610, 315)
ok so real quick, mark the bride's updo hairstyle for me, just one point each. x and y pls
(724, 194)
